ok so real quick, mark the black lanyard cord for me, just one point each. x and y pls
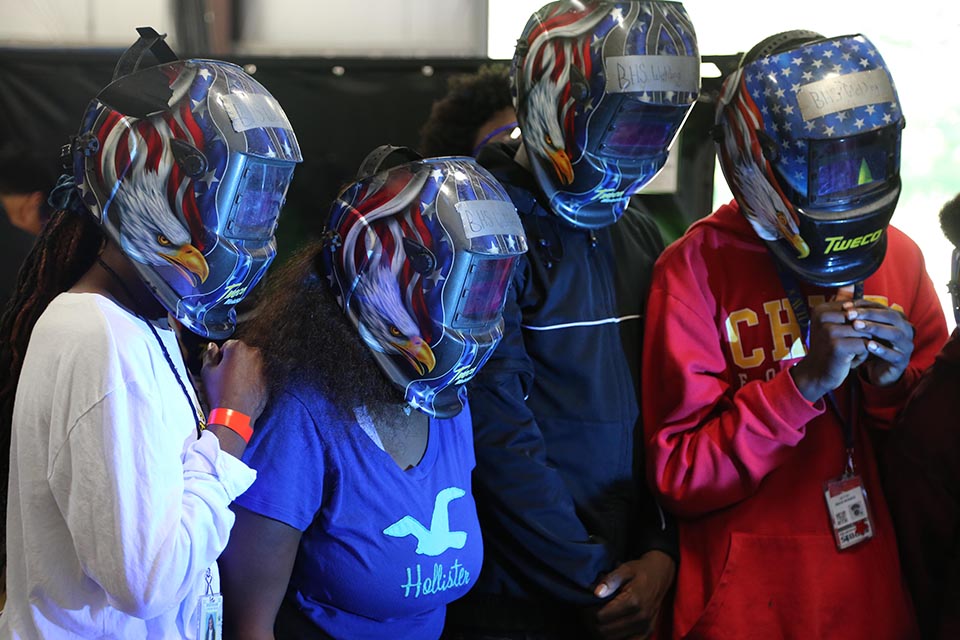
(850, 422)
(163, 348)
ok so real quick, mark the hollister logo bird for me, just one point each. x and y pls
(438, 538)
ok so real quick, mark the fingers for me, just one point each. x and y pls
(211, 355)
(633, 620)
(845, 293)
(894, 357)
(612, 581)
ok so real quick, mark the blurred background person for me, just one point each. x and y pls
(363, 501)
(922, 475)
(119, 481)
(26, 179)
(574, 543)
(476, 110)
(784, 332)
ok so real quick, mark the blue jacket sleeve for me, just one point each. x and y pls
(530, 526)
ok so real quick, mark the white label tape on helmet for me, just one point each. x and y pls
(832, 95)
(638, 74)
(488, 218)
(253, 111)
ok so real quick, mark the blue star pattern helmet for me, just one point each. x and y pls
(186, 165)
(809, 142)
(601, 90)
(420, 257)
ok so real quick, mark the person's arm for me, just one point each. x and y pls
(254, 572)
(147, 516)
(708, 445)
(233, 379)
(529, 518)
(288, 453)
(882, 403)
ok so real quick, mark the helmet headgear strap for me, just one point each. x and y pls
(149, 41)
(385, 157)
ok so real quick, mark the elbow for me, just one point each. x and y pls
(684, 493)
(151, 594)
(146, 605)
(679, 502)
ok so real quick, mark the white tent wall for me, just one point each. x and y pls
(396, 28)
(69, 23)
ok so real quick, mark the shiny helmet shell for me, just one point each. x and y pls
(420, 257)
(601, 90)
(186, 165)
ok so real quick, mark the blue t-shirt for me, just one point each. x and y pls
(383, 550)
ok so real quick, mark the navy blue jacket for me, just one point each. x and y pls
(559, 482)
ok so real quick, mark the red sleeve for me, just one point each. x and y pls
(708, 446)
(923, 310)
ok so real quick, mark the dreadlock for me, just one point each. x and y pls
(65, 249)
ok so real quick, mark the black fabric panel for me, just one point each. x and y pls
(338, 120)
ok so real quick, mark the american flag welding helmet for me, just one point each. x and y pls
(186, 165)
(601, 90)
(420, 256)
(808, 136)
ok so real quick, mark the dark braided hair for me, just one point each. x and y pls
(66, 248)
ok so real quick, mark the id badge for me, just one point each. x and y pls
(211, 617)
(849, 511)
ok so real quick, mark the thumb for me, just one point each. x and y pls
(211, 355)
(612, 581)
(845, 293)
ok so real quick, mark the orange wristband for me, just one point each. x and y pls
(237, 422)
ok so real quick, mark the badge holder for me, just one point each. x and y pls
(848, 507)
(210, 621)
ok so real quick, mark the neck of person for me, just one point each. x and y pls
(114, 276)
(522, 159)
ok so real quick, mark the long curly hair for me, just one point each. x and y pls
(306, 340)
(471, 100)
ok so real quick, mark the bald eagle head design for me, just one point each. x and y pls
(386, 325)
(151, 233)
(542, 131)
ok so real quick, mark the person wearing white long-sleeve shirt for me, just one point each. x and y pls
(117, 498)
(117, 509)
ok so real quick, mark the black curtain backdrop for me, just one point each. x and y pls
(340, 109)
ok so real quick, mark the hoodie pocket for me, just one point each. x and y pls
(802, 587)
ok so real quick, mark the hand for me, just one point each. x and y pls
(233, 378)
(889, 340)
(638, 588)
(836, 347)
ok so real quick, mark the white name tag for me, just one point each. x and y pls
(252, 111)
(853, 90)
(849, 513)
(489, 218)
(637, 74)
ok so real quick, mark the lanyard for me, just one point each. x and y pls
(198, 415)
(850, 422)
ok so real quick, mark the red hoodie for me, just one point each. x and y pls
(741, 456)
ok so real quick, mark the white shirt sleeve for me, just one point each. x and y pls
(148, 513)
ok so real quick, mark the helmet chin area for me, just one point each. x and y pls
(844, 246)
(443, 394)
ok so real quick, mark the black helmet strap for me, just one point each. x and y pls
(385, 157)
(149, 41)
